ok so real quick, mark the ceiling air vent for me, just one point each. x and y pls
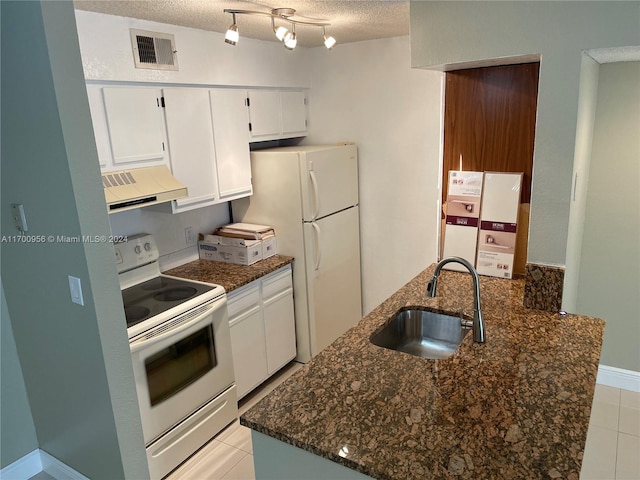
(154, 50)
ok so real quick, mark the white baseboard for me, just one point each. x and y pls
(23, 468)
(36, 462)
(619, 378)
(59, 470)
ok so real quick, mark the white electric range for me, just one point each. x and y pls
(181, 351)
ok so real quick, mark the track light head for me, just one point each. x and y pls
(232, 34)
(290, 40)
(282, 33)
(329, 41)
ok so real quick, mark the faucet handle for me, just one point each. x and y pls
(431, 287)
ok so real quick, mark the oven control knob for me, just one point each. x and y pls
(138, 249)
(147, 246)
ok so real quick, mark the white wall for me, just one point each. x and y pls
(169, 229)
(450, 32)
(364, 92)
(367, 92)
(609, 281)
(203, 57)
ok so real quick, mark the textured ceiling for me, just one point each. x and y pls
(351, 21)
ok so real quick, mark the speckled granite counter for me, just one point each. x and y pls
(229, 275)
(515, 407)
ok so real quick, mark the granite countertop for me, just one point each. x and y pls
(517, 406)
(229, 275)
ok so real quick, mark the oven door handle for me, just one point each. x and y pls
(145, 341)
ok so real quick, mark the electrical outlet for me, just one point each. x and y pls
(189, 236)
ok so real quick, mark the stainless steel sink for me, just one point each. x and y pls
(422, 333)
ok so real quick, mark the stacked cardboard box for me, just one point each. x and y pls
(464, 194)
(499, 224)
(240, 243)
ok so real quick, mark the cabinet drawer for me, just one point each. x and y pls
(277, 282)
(242, 300)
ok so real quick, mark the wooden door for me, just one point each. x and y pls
(489, 126)
(489, 121)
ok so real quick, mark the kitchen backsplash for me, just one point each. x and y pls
(169, 229)
(543, 287)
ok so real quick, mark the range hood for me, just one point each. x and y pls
(140, 187)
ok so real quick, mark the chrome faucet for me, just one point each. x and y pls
(477, 325)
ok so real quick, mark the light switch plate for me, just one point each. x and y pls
(75, 286)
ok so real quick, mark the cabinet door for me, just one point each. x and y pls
(231, 134)
(191, 145)
(294, 113)
(264, 113)
(247, 338)
(136, 126)
(279, 320)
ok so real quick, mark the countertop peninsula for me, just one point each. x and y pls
(229, 275)
(517, 406)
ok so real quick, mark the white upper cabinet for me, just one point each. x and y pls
(191, 145)
(201, 134)
(129, 126)
(264, 113)
(231, 134)
(277, 114)
(294, 113)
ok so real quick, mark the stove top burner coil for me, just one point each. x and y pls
(175, 294)
(135, 314)
(155, 284)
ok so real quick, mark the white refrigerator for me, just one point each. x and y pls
(309, 194)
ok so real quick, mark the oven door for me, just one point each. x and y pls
(180, 365)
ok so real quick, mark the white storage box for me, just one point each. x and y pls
(499, 224)
(269, 246)
(463, 212)
(239, 254)
(221, 240)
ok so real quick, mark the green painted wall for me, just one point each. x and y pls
(17, 433)
(609, 282)
(75, 359)
(451, 32)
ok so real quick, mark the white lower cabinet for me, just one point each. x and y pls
(262, 323)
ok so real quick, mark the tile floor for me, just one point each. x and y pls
(612, 451)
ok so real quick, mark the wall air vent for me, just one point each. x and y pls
(153, 50)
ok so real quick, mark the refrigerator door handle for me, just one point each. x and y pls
(316, 230)
(314, 184)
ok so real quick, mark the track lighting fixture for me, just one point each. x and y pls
(282, 33)
(232, 34)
